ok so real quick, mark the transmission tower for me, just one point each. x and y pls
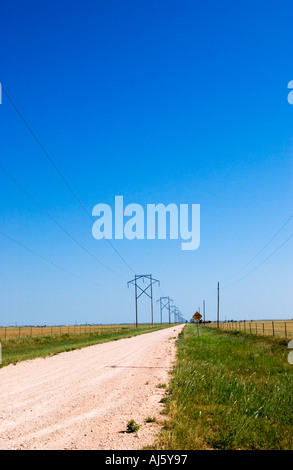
(165, 303)
(139, 291)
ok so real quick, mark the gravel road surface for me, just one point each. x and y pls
(83, 399)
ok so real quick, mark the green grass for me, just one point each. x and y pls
(228, 391)
(132, 426)
(21, 349)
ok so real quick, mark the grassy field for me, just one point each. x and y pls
(278, 328)
(229, 390)
(23, 348)
(12, 332)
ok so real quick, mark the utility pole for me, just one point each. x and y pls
(165, 303)
(174, 311)
(204, 311)
(169, 311)
(161, 313)
(218, 308)
(136, 317)
(176, 315)
(143, 291)
(152, 307)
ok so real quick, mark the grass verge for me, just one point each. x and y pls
(21, 349)
(228, 391)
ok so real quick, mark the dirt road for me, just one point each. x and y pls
(84, 399)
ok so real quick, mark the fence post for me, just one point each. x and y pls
(273, 328)
(285, 330)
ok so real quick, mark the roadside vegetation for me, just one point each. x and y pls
(229, 390)
(21, 349)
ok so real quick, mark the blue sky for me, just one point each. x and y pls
(161, 102)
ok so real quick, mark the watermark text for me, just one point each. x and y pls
(158, 221)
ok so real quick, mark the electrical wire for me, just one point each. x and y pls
(262, 249)
(48, 261)
(54, 221)
(260, 264)
(60, 173)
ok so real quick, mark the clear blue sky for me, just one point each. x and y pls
(161, 102)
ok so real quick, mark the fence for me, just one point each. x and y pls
(279, 328)
(12, 332)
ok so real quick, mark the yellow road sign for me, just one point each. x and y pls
(197, 316)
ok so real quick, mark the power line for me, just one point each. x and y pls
(60, 173)
(264, 261)
(48, 261)
(54, 221)
(262, 249)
